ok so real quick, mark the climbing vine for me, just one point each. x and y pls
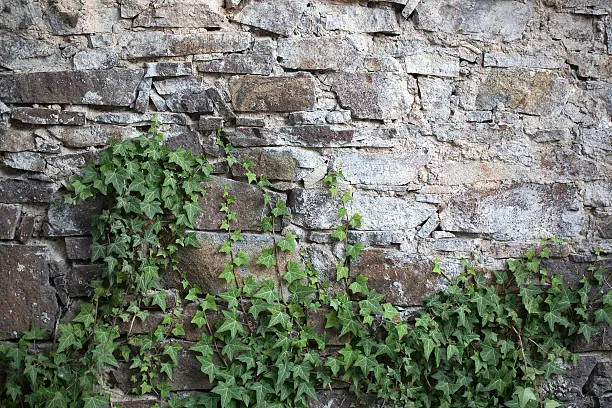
(488, 340)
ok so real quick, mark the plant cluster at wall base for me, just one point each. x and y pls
(488, 340)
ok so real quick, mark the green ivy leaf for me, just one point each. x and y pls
(267, 258)
(342, 271)
(294, 272)
(288, 242)
(353, 251)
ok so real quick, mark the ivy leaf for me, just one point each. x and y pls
(228, 273)
(294, 272)
(150, 208)
(353, 251)
(341, 271)
(159, 299)
(261, 388)
(228, 390)
(355, 220)
(279, 317)
(191, 209)
(551, 404)
(389, 312)
(72, 336)
(249, 285)
(267, 258)
(288, 242)
(525, 395)
(360, 285)
(267, 292)
(171, 350)
(242, 258)
(230, 324)
(59, 400)
(95, 401)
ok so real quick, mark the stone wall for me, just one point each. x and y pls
(465, 129)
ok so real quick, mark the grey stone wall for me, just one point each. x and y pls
(465, 128)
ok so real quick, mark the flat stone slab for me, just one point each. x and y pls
(252, 93)
(332, 53)
(67, 220)
(178, 15)
(373, 168)
(26, 191)
(9, 218)
(279, 17)
(113, 87)
(42, 116)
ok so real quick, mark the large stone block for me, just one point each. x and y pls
(537, 93)
(405, 279)
(279, 17)
(28, 161)
(16, 140)
(69, 17)
(160, 44)
(184, 94)
(503, 60)
(9, 218)
(376, 95)
(115, 87)
(358, 19)
(381, 169)
(21, 53)
(42, 116)
(435, 97)
(519, 211)
(26, 296)
(248, 63)
(272, 94)
(94, 135)
(430, 63)
(492, 20)
(318, 53)
(178, 15)
(66, 220)
(314, 208)
(26, 191)
(390, 213)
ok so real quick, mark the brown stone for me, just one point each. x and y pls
(274, 165)
(9, 218)
(404, 279)
(272, 94)
(78, 280)
(41, 116)
(26, 228)
(16, 140)
(26, 296)
(115, 87)
(78, 247)
(26, 191)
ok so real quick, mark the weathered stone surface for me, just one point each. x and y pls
(184, 94)
(131, 8)
(534, 93)
(221, 102)
(42, 116)
(207, 123)
(15, 139)
(20, 53)
(435, 97)
(168, 69)
(26, 228)
(183, 136)
(314, 208)
(115, 87)
(591, 65)
(249, 205)
(376, 95)
(68, 17)
(523, 211)
(358, 19)
(61, 167)
(455, 245)
(596, 142)
(99, 58)
(565, 25)
(503, 60)
(273, 163)
(249, 63)
(469, 172)
(338, 117)
(274, 94)
(140, 119)
(514, 249)
(491, 20)
(160, 44)
(25, 294)
(28, 161)
(376, 168)
(307, 118)
(332, 53)
(79, 278)
(404, 279)
(26, 191)
(429, 63)
(246, 121)
(178, 15)
(94, 135)
(389, 213)
(9, 219)
(66, 220)
(598, 194)
(480, 116)
(279, 17)
(78, 247)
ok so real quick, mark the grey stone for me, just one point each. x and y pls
(99, 58)
(435, 97)
(9, 219)
(101, 40)
(564, 25)
(140, 119)
(26, 297)
(428, 227)
(4, 108)
(184, 94)
(480, 116)
(26, 228)
(537, 93)
(376, 95)
(168, 69)
(248, 121)
(248, 63)
(273, 94)
(223, 107)
(409, 8)
(609, 35)
(598, 194)
(279, 17)
(405, 279)
(357, 19)
(591, 65)
(66, 220)
(428, 198)
(513, 249)
(131, 8)
(207, 123)
(184, 137)
(144, 94)
(273, 163)
(473, 171)
(500, 59)
(26, 191)
(79, 278)
(16, 15)
(315, 136)
(158, 101)
(160, 44)
(115, 87)
(389, 213)
(307, 118)
(373, 238)
(520, 211)
(596, 142)
(93, 135)
(332, 53)
(232, 3)
(338, 117)
(21, 53)
(492, 20)
(60, 167)
(455, 245)
(15, 140)
(178, 15)
(42, 116)
(70, 17)
(431, 63)
(314, 208)
(28, 161)
(377, 168)
(78, 247)
(551, 135)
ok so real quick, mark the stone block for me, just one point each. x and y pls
(168, 69)
(307, 118)
(161, 44)
(62, 167)
(221, 103)
(480, 116)
(405, 279)
(430, 63)
(26, 228)
(435, 97)
(248, 63)
(79, 278)
(513, 249)
(280, 17)
(178, 15)
(99, 58)
(140, 119)
(93, 135)
(73, 17)
(15, 139)
(272, 94)
(26, 297)
(519, 211)
(376, 95)
(504, 60)
(184, 94)
(20, 53)
(539, 93)
(338, 117)
(381, 169)
(208, 123)
(358, 19)
(468, 172)
(9, 219)
(78, 248)
(389, 213)
(455, 245)
(314, 208)
(113, 87)
(66, 220)
(495, 20)
(26, 191)
(42, 116)
(131, 8)
(247, 121)
(598, 194)
(318, 53)
(573, 26)
(273, 163)
(28, 161)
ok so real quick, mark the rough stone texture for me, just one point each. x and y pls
(274, 94)
(78, 247)
(184, 94)
(178, 15)
(280, 17)
(314, 208)
(94, 135)
(99, 58)
(41, 116)
(333, 53)
(258, 64)
(168, 69)
(527, 211)
(378, 95)
(435, 97)
(66, 220)
(25, 161)
(428, 63)
(79, 277)
(404, 279)
(19, 52)
(9, 218)
(116, 87)
(355, 18)
(25, 294)
(26, 191)
(373, 168)
(390, 213)
(499, 59)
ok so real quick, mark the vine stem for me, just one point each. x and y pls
(526, 362)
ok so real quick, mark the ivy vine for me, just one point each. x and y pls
(488, 340)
